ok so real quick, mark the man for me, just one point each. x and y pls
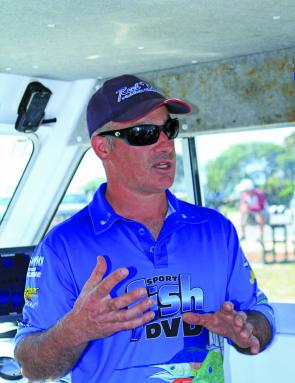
(252, 207)
(139, 286)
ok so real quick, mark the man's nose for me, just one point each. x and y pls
(164, 142)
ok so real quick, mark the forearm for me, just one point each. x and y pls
(261, 330)
(49, 354)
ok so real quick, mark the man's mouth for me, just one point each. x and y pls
(162, 165)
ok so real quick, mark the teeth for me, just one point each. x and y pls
(162, 165)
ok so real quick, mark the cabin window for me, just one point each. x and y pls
(179, 187)
(86, 179)
(15, 154)
(90, 175)
(229, 163)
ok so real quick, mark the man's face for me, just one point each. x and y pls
(144, 169)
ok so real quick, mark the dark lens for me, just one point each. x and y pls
(171, 128)
(143, 135)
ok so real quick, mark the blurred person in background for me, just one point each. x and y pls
(253, 207)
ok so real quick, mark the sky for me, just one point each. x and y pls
(211, 146)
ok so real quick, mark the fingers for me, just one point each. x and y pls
(103, 286)
(138, 309)
(254, 346)
(229, 323)
(132, 313)
(226, 313)
(246, 339)
(242, 330)
(113, 321)
(137, 322)
(189, 318)
(227, 308)
(135, 311)
(246, 330)
(98, 315)
(129, 324)
(128, 298)
(198, 319)
(111, 281)
(240, 319)
(96, 275)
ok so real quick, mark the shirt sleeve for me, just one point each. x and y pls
(243, 290)
(49, 292)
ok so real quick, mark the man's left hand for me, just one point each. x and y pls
(230, 324)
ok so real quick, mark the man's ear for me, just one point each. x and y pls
(101, 147)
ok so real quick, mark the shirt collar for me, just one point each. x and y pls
(103, 215)
(183, 211)
(101, 212)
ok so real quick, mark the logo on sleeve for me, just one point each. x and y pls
(31, 296)
(35, 266)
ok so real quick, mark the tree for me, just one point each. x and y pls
(289, 142)
(270, 166)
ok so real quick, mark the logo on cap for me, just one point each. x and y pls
(138, 87)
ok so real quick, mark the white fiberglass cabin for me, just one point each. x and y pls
(234, 62)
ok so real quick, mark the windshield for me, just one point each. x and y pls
(15, 153)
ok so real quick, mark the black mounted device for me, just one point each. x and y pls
(31, 110)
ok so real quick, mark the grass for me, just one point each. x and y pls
(277, 281)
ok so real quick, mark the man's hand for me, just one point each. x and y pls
(50, 354)
(230, 324)
(97, 315)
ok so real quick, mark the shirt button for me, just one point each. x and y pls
(102, 222)
(152, 249)
(183, 216)
(141, 231)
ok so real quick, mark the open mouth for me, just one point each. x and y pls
(163, 165)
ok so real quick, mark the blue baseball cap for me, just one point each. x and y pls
(126, 99)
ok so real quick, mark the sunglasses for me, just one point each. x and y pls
(147, 134)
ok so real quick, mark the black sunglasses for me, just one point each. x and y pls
(147, 134)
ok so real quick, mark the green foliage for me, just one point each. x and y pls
(290, 141)
(277, 281)
(270, 166)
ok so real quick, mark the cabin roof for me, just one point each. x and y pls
(75, 39)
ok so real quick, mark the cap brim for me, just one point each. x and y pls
(139, 110)
(176, 106)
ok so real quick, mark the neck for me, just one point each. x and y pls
(137, 205)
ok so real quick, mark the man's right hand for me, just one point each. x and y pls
(97, 315)
(48, 355)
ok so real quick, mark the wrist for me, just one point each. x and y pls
(69, 331)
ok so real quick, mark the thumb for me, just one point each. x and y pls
(96, 275)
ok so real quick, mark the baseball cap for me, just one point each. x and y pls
(127, 98)
(246, 184)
